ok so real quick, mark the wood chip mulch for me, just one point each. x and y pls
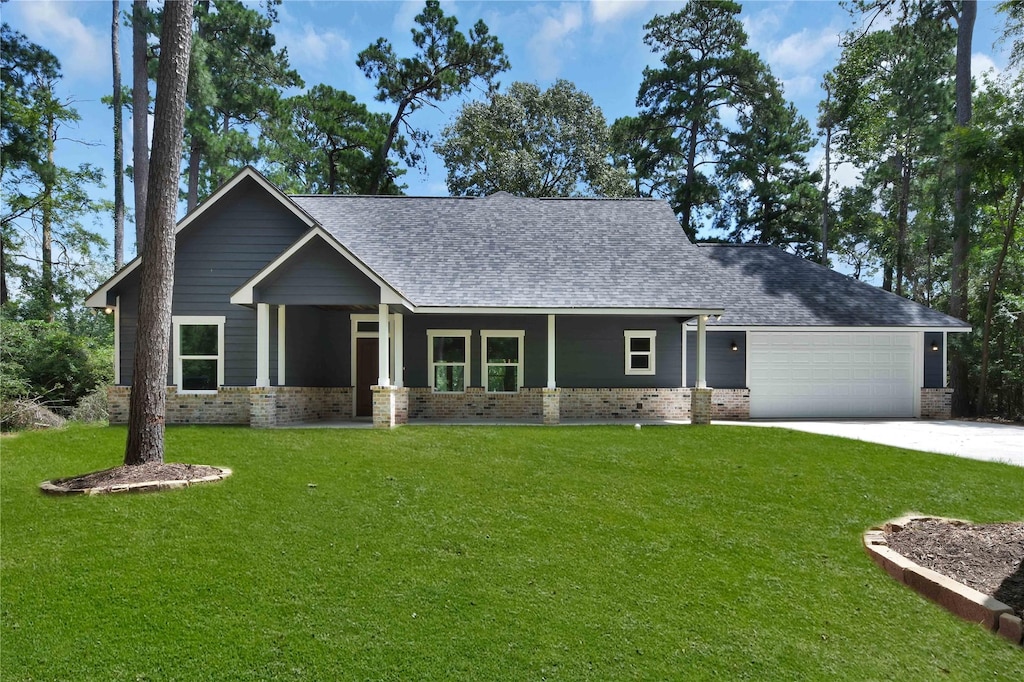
(142, 473)
(988, 558)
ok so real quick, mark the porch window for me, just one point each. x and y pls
(640, 351)
(502, 367)
(198, 353)
(448, 350)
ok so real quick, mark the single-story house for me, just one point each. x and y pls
(291, 309)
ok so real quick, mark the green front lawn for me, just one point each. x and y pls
(485, 553)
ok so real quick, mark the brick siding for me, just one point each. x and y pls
(936, 403)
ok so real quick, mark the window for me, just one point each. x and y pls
(198, 353)
(502, 366)
(448, 351)
(639, 351)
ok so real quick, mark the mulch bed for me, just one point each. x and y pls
(141, 473)
(988, 558)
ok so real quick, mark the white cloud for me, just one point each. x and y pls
(800, 86)
(801, 51)
(603, 11)
(980, 64)
(308, 46)
(553, 38)
(53, 25)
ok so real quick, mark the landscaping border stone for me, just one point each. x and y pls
(50, 488)
(955, 597)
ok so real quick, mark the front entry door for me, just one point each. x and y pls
(366, 375)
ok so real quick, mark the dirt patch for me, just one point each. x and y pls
(988, 557)
(159, 472)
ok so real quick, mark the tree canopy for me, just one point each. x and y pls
(531, 143)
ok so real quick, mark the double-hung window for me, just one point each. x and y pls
(198, 353)
(502, 366)
(639, 351)
(448, 352)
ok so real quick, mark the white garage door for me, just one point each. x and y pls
(831, 374)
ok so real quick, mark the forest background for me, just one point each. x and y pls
(829, 130)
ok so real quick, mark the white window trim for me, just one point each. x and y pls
(435, 333)
(177, 321)
(631, 334)
(501, 333)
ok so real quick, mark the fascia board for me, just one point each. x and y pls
(98, 298)
(512, 310)
(825, 328)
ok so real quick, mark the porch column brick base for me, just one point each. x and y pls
(262, 407)
(551, 407)
(700, 406)
(384, 406)
(937, 403)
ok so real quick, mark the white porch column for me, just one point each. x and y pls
(280, 345)
(701, 381)
(383, 347)
(117, 341)
(551, 351)
(399, 351)
(262, 344)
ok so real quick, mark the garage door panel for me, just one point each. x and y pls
(831, 374)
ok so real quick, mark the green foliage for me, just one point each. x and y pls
(531, 143)
(748, 177)
(327, 144)
(236, 75)
(445, 64)
(891, 106)
(488, 553)
(47, 361)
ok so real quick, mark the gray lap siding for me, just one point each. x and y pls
(726, 368)
(215, 256)
(590, 352)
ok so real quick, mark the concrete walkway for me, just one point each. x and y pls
(976, 440)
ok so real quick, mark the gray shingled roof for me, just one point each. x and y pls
(511, 251)
(764, 286)
(506, 251)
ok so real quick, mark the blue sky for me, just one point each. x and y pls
(597, 45)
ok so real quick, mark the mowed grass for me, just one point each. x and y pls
(485, 553)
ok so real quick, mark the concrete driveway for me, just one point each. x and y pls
(976, 440)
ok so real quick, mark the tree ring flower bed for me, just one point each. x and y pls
(973, 571)
(136, 479)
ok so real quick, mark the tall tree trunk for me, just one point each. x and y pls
(47, 218)
(4, 295)
(902, 221)
(986, 334)
(192, 195)
(147, 407)
(825, 192)
(958, 306)
(382, 162)
(115, 53)
(691, 169)
(140, 119)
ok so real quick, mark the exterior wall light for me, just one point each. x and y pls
(108, 310)
(935, 346)
(734, 347)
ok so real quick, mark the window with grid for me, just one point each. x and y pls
(640, 351)
(198, 353)
(448, 351)
(502, 366)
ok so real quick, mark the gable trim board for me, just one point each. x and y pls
(98, 298)
(505, 262)
(244, 295)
